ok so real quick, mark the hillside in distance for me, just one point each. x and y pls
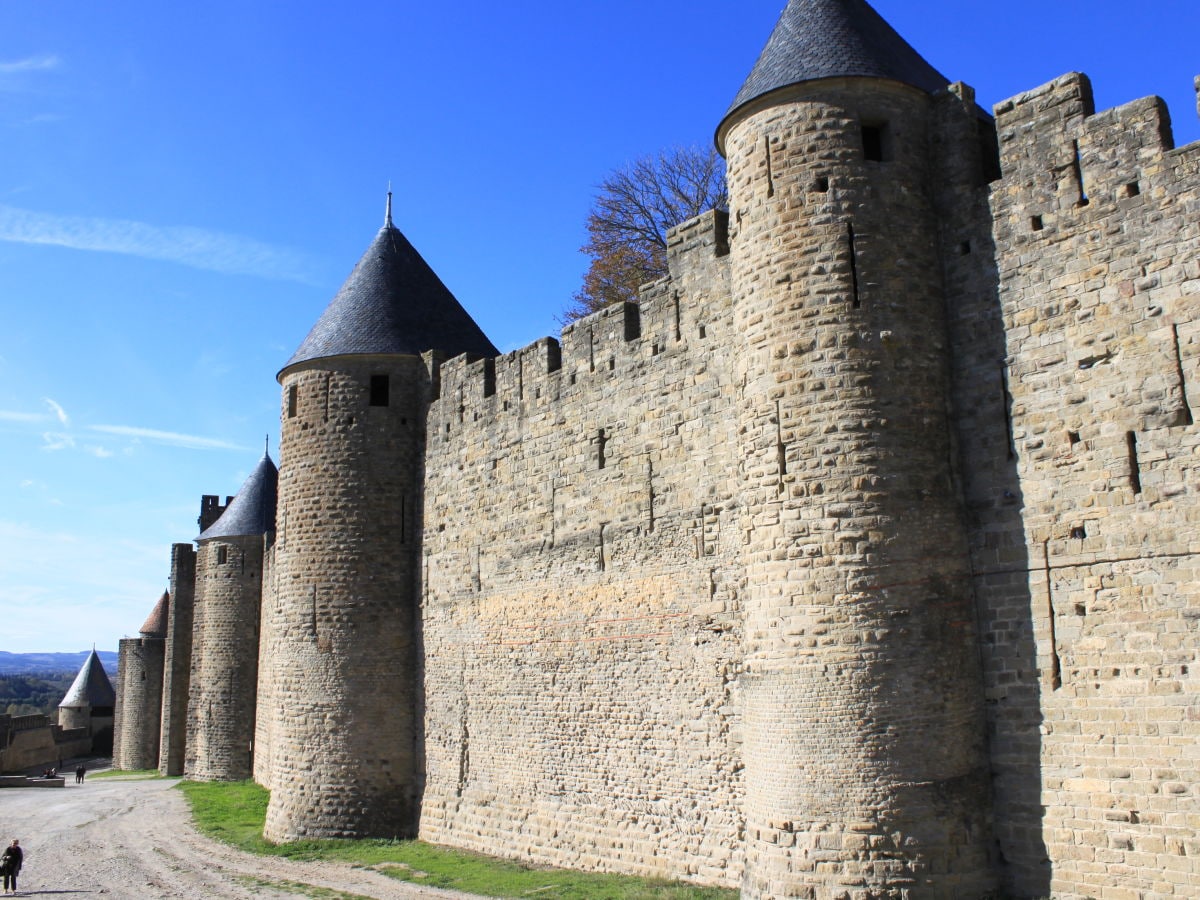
(45, 663)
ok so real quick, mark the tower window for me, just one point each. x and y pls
(379, 390)
(291, 395)
(222, 555)
(876, 142)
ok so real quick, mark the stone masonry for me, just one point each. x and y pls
(858, 559)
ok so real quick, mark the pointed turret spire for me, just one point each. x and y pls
(816, 39)
(155, 625)
(91, 687)
(393, 304)
(252, 511)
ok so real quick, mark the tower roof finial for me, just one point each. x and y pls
(387, 216)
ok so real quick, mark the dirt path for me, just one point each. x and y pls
(134, 839)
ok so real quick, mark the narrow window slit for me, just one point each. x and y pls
(1035, 223)
(601, 440)
(292, 401)
(1006, 407)
(770, 175)
(821, 185)
(1135, 470)
(1055, 661)
(853, 250)
(780, 449)
(1077, 168)
(1185, 414)
(649, 495)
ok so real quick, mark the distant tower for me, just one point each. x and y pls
(178, 662)
(229, 584)
(139, 694)
(342, 632)
(865, 766)
(89, 704)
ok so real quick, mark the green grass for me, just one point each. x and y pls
(233, 812)
(127, 774)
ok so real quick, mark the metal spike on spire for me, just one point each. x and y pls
(267, 445)
(387, 216)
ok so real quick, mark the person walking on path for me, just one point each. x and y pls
(10, 865)
(79, 773)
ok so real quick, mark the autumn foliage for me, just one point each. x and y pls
(634, 208)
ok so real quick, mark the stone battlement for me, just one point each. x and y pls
(611, 343)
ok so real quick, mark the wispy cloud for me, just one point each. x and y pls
(195, 247)
(171, 438)
(59, 412)
(57, 440)
(10, 416)
(29, 64)
(24, 76)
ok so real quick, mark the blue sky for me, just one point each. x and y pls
(183, 187)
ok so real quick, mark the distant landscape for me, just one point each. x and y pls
(45, 663)
(33, 683)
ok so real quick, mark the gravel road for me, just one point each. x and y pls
(133, 839)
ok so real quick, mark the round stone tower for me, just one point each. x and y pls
(224, 679)
(342, 633)
(138, 717)
(864, 751)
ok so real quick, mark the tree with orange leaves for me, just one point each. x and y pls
(635, 207)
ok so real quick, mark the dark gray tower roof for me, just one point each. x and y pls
(252, 511)
(155, 625)
(832, 39)
(392, 303)
(91, 687)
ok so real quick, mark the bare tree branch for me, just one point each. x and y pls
(634, 208)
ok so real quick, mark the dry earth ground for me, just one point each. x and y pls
(134, 839)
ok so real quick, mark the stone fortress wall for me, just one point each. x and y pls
(1085, 549)
(582, 591)
(856, 559)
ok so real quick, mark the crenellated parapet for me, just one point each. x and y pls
(675, 313)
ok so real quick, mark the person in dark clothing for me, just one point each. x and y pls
(10, 865)
(79, 773)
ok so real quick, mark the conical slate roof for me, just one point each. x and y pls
(831, 39)
(252, 511)
(392, 303)
(156, 623)
(91, 687)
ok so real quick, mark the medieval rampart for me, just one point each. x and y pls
(1085, 549)
(581, 588)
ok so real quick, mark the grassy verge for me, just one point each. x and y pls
(234, 813)
(128, 774)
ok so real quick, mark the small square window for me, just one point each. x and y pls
(380, 388)
(876, 142)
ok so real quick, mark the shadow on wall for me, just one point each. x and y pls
(1003, 573)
